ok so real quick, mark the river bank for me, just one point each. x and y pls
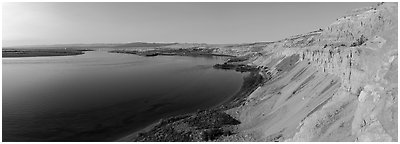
(203, 125)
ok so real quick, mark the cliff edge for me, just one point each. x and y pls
(334, 84)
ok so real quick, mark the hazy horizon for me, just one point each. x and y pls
(213, 23)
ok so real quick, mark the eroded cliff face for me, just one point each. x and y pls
(334, 84)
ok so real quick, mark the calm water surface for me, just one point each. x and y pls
(102, 96)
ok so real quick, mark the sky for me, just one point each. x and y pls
(216, 23)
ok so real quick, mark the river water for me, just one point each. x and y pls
(101, 96)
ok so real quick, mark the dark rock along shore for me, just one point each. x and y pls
(203, 125)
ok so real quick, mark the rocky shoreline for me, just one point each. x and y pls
(203, 125)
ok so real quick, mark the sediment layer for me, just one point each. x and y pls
(334, 84)
(338, 83)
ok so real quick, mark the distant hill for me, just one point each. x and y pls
(96, 45)
(143, 44)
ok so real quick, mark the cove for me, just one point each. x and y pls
(101, 96)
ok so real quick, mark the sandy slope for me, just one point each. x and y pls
(335, 84)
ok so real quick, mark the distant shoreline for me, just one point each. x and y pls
(15, 53)
(173, 52)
